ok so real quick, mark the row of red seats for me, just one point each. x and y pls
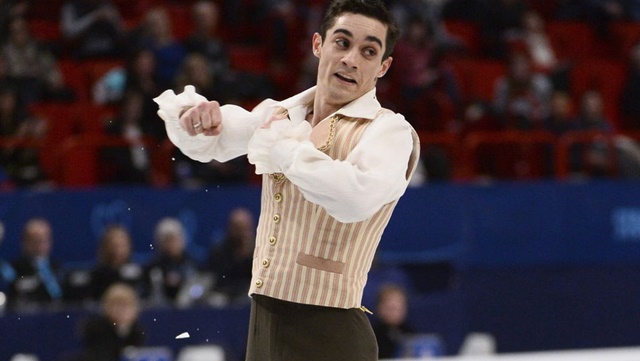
(573, 40)
(73, 162)
(477, 79)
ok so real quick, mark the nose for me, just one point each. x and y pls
(350, 58)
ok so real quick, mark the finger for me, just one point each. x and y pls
(213, 131)
(188, 120)
(213, 115)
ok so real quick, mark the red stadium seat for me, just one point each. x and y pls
(478, 77)
(573, 40)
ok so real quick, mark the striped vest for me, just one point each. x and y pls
(303, 254)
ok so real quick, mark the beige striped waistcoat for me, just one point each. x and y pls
(303, 254)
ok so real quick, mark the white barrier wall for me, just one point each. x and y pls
(614, 354)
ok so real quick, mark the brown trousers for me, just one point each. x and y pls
(286, 331)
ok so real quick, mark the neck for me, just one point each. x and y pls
(321, 110)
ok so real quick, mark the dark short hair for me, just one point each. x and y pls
(370, 8)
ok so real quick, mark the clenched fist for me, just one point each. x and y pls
(204, 118)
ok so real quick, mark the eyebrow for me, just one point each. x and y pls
(371, 38)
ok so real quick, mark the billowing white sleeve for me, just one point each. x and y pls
(372, 175)
(238, 126)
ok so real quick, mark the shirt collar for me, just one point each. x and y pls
(367, 106)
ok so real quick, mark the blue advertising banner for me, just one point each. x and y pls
(472, 225)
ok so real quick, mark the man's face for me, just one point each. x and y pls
(350, 58)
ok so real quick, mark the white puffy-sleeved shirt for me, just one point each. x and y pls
(323, 208)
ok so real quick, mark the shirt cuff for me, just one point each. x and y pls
(283, 134)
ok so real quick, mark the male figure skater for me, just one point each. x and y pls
(334, 164)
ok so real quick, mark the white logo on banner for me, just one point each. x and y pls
(626, 224)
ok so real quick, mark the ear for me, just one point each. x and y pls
(386, 64)
(316, 44)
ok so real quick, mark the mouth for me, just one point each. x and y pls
(345, 78)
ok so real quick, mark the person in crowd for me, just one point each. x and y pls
(205, 39)
(230, 259)
(498, 19)
(7, 273)
(32, 67)
(21, 165)
(172, 266)
(11, 9)
(104, 336)
(141, 77)
(592, 113)
(428, 87)
(591, 117)
(535, 41)
(37, 280)
(115, 264)
(93, 29)
(560, 121)
(155, 33)
(599, 14)
(128, 165)
(391, 326)
(334, 163)
(561, 117)
(188, 173)
(430, 12)
(521, 98)
(629, 105)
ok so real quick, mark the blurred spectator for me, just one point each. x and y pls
(498, 19)
(141, 77)
(534, 39)
(597, 160)
(10, 9)
(92, 28)
(155, 32)
(282, 21)
(204, 39)
(629, 104)
(31, 67)
(429, 11)
(428, 86)
(620, 156)
(600, 14)
(592, 115)
(172, 266)
(106, 335)
(37, 281)
(561, 118)
(195, 70)
(114, 262)
(7, 273)
(391, 325)
(189, 173)
(20, 164)
(128, 165)
(230, 260)
(521, 98)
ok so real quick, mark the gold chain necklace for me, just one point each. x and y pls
(332, 133)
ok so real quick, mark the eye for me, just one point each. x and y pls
(370, 52)
(342, 43)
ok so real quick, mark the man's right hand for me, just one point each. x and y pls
(204, 118)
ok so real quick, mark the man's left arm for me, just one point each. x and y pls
(372, 175)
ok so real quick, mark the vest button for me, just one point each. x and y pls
(272, 241)
(276, 218)
(278, 197)
(265, 263)
(259, 283)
